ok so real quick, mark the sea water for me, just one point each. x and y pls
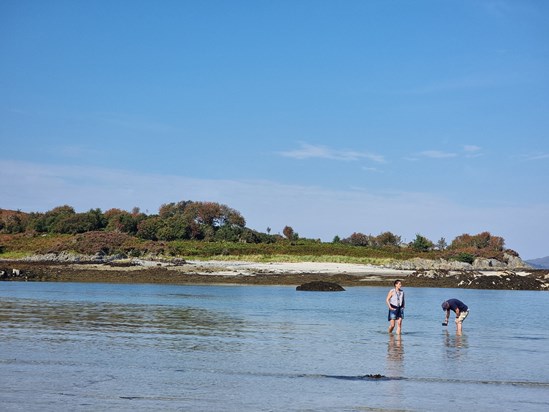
(99, 347)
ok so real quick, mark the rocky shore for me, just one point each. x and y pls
(59, 268)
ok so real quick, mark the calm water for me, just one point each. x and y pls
(90, 347)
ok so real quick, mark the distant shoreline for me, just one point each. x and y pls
(276, 273)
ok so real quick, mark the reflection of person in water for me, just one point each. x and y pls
(395, 351)
(455, 345)
(395, 355)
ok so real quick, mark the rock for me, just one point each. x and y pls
(487, 264)
(428, 264)
(374, 376)
(179, 262)
(514, 262)
(507, 281)
(320, 286)
(509, 262)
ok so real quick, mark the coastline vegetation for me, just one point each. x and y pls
(209, 230)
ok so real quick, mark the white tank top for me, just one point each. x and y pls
(397, 298)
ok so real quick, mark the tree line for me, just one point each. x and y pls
(215, 222)
(185, 220)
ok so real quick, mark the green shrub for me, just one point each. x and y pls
(421, 243)
(464, 257)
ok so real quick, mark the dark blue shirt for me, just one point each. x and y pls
(457, 304)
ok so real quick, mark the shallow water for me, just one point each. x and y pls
(88, 347)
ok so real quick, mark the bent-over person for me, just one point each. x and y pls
(459, 308)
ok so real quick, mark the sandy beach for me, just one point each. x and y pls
(229, 268)
(274, 273)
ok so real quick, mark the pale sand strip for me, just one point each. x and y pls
(245, 268)
(326, 268)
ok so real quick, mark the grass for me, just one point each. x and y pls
(299, 258)
(14, 255)
(303, 250)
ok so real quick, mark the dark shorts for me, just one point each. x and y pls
(397, 313)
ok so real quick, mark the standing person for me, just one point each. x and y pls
(395, 303)
(459, 308)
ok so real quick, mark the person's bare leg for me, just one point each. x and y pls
(391, 326)
(399, 326)
(458, 327)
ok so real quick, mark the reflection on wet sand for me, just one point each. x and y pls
(63, 319)
(395, 367)
(455, 344)
(395, 352)
(455, 341)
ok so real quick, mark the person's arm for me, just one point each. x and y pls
(389, 297)
(447, 315)
(457, 313)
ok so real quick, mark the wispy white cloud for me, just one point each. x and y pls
(371, 169)
(74, 151)
(472, 151)
(537, 156)
(471, 148)
(437, 154)
(309, 151)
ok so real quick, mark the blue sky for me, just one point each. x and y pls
(332, 117)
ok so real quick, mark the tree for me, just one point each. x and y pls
(51, 221)
(288, 232)
(197, 220)
(228, 233)
(121, 221)
(14, 224)
(387, 239)
(97, 219)
(73, 224)
(174, 228)
(148, 228)
(441, 244)
(481, 244)
(214, 214)
(421, 243)
(359, 239)
(37, 222)
(172, 209)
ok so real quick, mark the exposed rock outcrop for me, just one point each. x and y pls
(320, 286)
(102, 258)
(474, 279)
(510, 262)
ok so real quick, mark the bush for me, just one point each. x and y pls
(101, 242)
(359, 239)
(464, 257)
(421, 244)
(148, 228)
(387, 239)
